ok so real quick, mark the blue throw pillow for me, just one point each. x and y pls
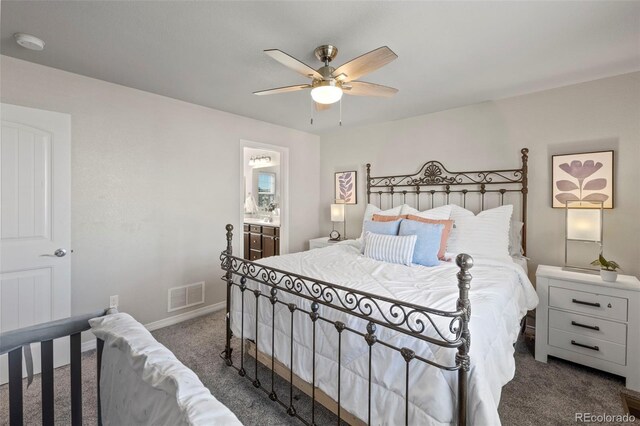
(428, 242)
(384, 228)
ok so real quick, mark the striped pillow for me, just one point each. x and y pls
(484, 234)
(390, 248)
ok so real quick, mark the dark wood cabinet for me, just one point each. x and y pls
(246, 241)
(255, 241)
(268, 246)
(255, 254)
(261, 241)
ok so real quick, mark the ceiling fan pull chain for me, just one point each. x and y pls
(340, 123)
(312, 112)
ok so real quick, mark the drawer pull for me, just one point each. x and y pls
(593, 348)
(580, 302)
(590, 327)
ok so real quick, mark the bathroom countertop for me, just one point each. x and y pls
(260, 221)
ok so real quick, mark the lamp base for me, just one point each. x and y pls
(581, 270)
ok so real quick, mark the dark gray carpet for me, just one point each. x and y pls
(539, 394)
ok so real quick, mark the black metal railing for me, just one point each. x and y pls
(12, 342)
(419, 322)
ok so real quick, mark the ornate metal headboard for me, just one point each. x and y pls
(435, 182)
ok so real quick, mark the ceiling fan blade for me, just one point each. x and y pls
(322, 107)
(362, 88)
(284, 89)
(292, 63)
(366, 63)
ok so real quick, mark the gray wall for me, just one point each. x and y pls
(599, 115)
(154, 181)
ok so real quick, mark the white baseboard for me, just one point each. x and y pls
(156, 325)
(175, 319)
(89, 345)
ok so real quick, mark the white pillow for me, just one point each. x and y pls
(371, 210)
(486, 234)
(390, 248)
(458, 212)
(437, 213)
(515, 238)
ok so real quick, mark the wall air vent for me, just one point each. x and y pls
(185, 296)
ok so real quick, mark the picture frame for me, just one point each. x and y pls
(586, 176)
(346, 187)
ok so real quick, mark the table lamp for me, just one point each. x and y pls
(337, 215)
(583, 224)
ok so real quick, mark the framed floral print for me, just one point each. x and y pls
(584, 177)
(346, 185)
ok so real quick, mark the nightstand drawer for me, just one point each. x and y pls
(585, 345)
(588, 303)
(588, 326)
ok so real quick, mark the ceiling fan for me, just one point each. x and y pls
(328, 83)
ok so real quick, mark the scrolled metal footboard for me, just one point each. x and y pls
(377, 311)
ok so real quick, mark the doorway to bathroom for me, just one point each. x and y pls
(264, 203)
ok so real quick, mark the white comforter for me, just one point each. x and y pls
(143, 383)
(500, 296)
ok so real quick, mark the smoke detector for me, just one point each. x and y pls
(28, 41)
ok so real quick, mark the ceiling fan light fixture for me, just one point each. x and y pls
(328, 84)
(326, 92)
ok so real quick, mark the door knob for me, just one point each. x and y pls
(58, 253)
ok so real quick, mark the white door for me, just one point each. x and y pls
(35, 221)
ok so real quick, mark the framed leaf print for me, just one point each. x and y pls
(346, 187)
(584, 177)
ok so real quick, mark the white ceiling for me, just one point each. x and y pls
(450, 53)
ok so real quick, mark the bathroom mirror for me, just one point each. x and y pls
(266, 189)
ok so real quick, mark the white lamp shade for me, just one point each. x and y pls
(584, 224)
(337, 212)
(326, 94)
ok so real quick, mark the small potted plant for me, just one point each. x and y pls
(608, 268)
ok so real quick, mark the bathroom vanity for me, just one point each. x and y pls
(261, 239)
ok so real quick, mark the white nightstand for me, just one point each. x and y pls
(583, 319)
(320, 242)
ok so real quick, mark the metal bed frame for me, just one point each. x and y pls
(12, 342)
(378, 311)
(433, 174)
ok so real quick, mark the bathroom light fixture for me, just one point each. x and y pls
(29, 41)
(259, 160)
